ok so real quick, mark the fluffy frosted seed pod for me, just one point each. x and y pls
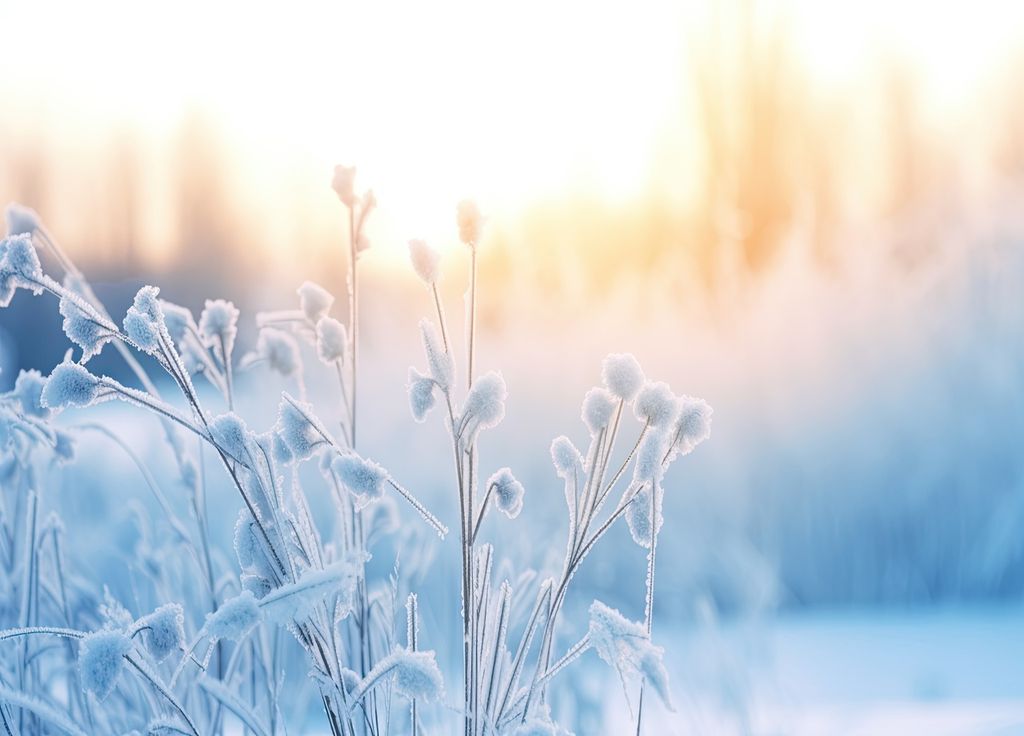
(416, 675)
(469, 220)
(331, 340)
(440, 363)
(508, 492)
(231, 435)
(314, 301)
(28, 390)
(21, 220)
(69, 384)
(21, 261)
(638, 517)
(693, 425)
(235, 618)
(656, 404)
(101, 659)
(361, 476)
(144, 322)
(626, 646)
(178, 321)
(649, 457)
(296, 431)
(421, 394)
(485, 402)
(565, 457)
(598, 408)
(219, 324)
(425, 261)
(344, 184)
(622, 375)
(164, 631)
(280, 351)
(83, 329)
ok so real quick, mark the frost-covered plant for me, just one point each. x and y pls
(210, 639)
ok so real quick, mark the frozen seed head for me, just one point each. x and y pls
(280, 351)
(178, 321)
(693, 425)
(344, 184)
(469, 220)
(425, 261)
(417, 675)
(598, 408)
(83, 329)
(440, 362)
(565, 457)
(21, 261)
(622, 375)
(164, 631)
(649, 457)
(144, 322)
(235, 618)
(421, 394)
(331, 340)
(28, 390)
(231, 435)
(656, 404)
(69, 384)
(219, 324)
(361, 476)
(508, 492)
(101, 659)
(485, 402)
(638, 517)
(296, 431)
(314, 301)
(21, 220)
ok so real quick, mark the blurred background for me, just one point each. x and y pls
(809, 213)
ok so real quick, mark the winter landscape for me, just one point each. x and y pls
(512, 371)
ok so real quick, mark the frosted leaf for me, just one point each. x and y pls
(622, 375)
(21, 261)
(144, 321)
(421, 394)
(178, 321)
(69, 384)
(280, 452)
(219, 323)
(314, 301)
(296, 601)
(693, 425)
(425, 261)
(344, 183)
(416, 674)
(485, 402)
(231, 435)
(508, 492)
(362, 477)
(598, 408)
(21, 220)
(469, 220)
(565, 457)
(331, 340)
(164, 631)
(28, 390)
(101, 659)
(296, 431)
(280, 351)
(656, 404)
(235, 617)
(440, 363)
(627, 647)
(83, 329)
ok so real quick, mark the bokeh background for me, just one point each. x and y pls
(809, 213)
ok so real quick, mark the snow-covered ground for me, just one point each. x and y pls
(936, 673)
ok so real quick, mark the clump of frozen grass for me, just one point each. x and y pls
(101, 660)
(626, 646)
